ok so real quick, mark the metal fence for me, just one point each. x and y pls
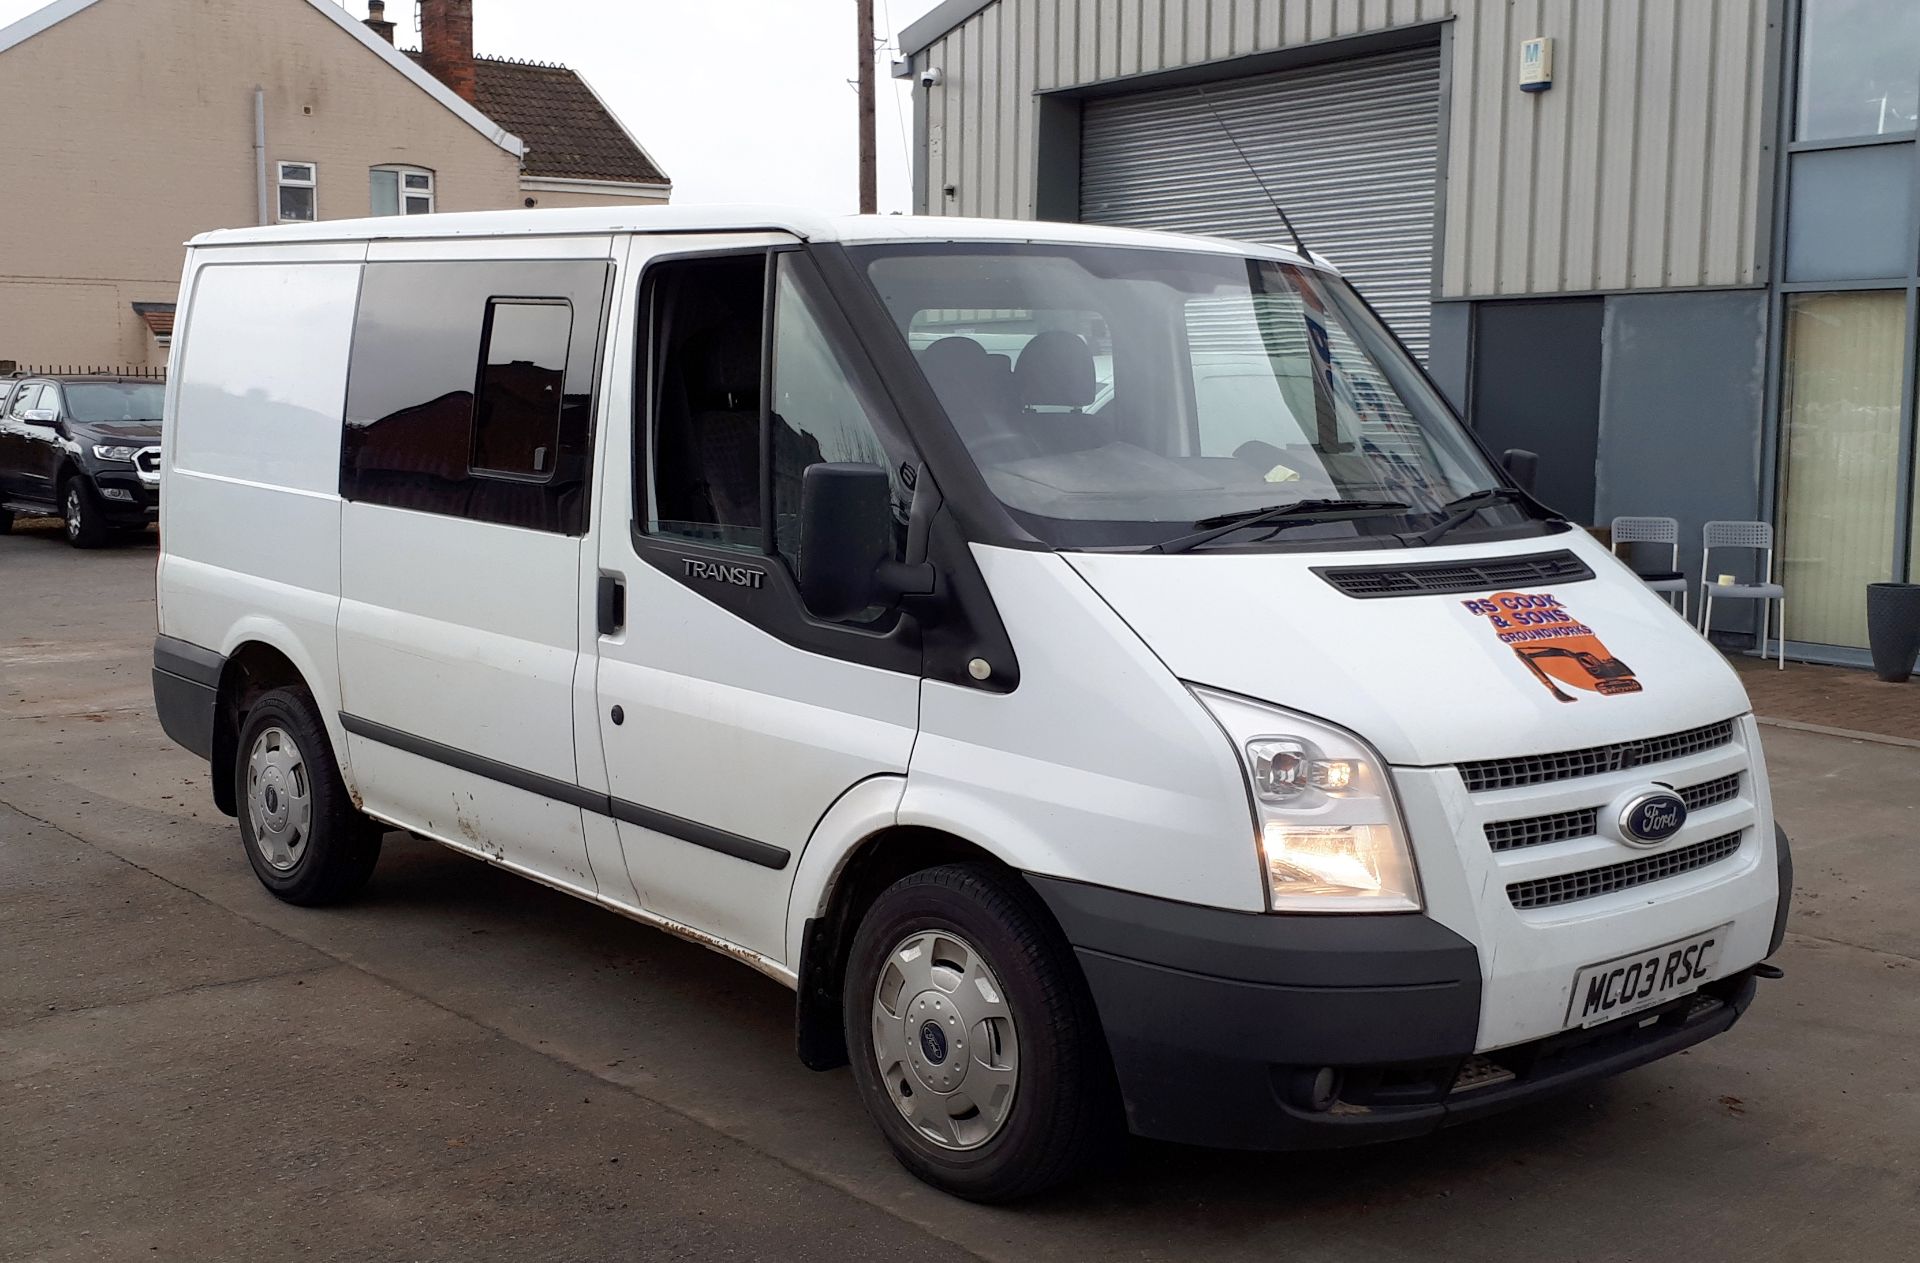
(9, 368)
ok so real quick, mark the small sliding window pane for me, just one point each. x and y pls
(516, 411)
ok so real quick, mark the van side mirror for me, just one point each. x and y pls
(1522, 466)
(846, 543)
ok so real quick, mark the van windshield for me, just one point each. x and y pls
(1120, 397)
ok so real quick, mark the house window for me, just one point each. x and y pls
(401, 191)
(297, 192)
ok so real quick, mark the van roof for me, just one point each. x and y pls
(805, 224)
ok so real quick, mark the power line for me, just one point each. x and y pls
(899, 113)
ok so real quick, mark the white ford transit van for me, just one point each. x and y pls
(1094, 669)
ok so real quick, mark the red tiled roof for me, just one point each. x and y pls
(569, 135)
(159, 317)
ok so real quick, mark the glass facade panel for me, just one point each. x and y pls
(1840, 414)
(1913, 534)
(1847, 213)
(1859, 68)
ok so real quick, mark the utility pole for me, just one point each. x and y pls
(869, 195)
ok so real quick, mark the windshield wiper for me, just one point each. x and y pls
(1461, 511)
(1279, 516)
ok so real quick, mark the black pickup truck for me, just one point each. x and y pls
(85, 449)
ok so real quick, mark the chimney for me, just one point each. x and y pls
(446, 43)
(377, 19)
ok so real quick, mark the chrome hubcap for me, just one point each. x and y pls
(944, 1039)
(279, 799)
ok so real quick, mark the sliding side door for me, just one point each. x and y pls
(466, 471)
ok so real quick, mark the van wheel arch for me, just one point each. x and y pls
(877, 863)
(253, 669)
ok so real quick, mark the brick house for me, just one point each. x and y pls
(133, 125)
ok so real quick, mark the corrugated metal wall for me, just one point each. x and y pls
(1645, 165)
(1350, 149)
(980, 120)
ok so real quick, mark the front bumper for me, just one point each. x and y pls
(1221, 1023)
(126, 497)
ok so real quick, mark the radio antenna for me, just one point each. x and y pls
(1254, 171)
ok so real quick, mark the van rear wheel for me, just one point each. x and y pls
(304, 838)
(973, 1041)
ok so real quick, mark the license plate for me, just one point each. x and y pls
(1615, 988)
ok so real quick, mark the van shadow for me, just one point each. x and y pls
(704, 1027)
(54, 531)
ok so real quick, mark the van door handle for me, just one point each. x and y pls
(610, 604)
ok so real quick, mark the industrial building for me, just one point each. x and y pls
(1671, 245)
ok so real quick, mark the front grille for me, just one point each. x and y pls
(1711, 793)
(1434, 578)
(1545, 892)
(1536, 769)
(1511, 835)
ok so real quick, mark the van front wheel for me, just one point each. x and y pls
(304, 838)
(973, 1042)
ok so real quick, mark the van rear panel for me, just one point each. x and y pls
(250, 522)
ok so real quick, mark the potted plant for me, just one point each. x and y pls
(1893, 628)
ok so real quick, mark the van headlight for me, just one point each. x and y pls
(1327, 826)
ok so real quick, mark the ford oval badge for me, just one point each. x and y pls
(1651, 818)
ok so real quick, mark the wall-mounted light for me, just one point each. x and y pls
(1536, 65)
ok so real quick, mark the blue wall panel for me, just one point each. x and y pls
(1683, 391)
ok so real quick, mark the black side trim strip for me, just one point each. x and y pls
(479, 765)
(762, 853)
(703, 835)
(188, 661)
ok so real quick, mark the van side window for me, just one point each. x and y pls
(704, 483)
(747, 386)
(470, 390)
(715, 428)
(818, 414)
(518, 403)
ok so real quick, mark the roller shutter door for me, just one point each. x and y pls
(1351, 149)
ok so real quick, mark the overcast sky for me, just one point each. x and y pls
(740, 100)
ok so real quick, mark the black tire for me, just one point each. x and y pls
(1064, 1109)
(80, 513)
(338, 848)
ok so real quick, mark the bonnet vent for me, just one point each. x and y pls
(1436, 578)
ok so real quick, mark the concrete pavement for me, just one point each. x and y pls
(452, 1065)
